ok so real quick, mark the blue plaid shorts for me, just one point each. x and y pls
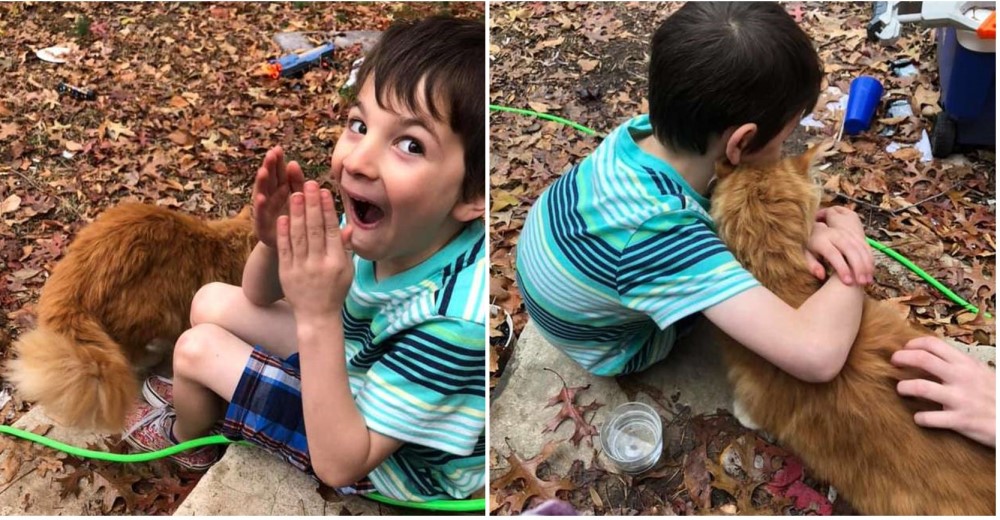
(267, 410)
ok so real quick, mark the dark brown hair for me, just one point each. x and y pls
(449, 56)
(715, 65)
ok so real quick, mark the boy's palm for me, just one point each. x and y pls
(274, 183)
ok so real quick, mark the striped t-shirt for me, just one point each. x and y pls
(616, 251)
(416, 354)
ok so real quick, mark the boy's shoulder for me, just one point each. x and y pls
(449, 285)
(461, 285)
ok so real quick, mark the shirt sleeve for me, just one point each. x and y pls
(675, 265)
(430, 388)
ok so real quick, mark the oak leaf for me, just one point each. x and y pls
(533, 486)
(570, 410)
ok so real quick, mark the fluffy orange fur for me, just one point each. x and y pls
(854, 432)
(115, 305)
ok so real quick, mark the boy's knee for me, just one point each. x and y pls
(192, 346)
(210, 302)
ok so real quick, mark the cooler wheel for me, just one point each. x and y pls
(943, 136)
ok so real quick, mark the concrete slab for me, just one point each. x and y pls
(30, 493)
(250, 481)
(693, 372)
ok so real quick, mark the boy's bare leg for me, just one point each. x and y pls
(208, 364)
(271, 327)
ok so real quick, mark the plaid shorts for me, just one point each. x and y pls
(267, 410)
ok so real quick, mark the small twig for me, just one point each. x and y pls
(858, 201)
(932, 197)
(63, 204)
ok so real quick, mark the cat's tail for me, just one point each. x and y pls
(85, 381)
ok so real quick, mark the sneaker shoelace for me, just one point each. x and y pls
(155, 416)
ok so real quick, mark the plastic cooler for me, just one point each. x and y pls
(968, 92)
(966, 45)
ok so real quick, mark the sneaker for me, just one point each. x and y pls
(158, 391)
(148, 429)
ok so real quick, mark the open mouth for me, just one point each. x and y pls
(365, 212)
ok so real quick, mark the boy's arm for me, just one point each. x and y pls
(261, 284)
(316, 273)
(342, 448)
(810, 343)
(273, 184)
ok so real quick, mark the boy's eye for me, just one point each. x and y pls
(358, 126)
(411, 146)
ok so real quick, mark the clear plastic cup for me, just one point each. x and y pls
(632, 437)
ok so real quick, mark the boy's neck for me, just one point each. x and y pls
(697, 170)
(392, 266)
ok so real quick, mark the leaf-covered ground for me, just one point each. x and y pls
(182, 118)
(587, 62)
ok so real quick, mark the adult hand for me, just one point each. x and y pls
(839, 238)
(272, 186)
(967, 391)
(314, 267)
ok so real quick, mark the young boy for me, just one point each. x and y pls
(370, 372)
(618, 251)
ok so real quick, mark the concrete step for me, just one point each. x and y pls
(693, 373)
(28, 492)
(247, 481)
(250, 481)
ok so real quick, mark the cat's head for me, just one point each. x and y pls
(767, 203)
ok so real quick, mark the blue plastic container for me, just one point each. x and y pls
(863, 99)
(968, 95)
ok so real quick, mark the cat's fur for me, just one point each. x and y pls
(115, 305)
(854, 432)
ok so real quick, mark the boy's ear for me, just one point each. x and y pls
(738, 142)
(469, 210)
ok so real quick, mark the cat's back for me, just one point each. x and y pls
(126, 244)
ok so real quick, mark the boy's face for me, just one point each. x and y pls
(400, 177)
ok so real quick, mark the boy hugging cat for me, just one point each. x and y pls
(619, 250)
(357, 354)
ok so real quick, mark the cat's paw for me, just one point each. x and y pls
(743, 416)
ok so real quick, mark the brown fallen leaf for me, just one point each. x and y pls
(181, 137)
(571, 411)
(526, 472)
(10, 204)
(696, 479)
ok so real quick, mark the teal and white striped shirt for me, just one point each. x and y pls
(416, 357)
(616, 251)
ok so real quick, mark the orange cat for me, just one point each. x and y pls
(854, 432)
(115, 305)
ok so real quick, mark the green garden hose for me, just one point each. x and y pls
(454, 506)
(926, 277)
(540, 115)
(881, 247)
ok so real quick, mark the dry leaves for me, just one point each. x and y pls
(521, 482)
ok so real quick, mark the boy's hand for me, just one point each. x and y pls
(967, 391)
(839, 238)
(272, 186)
(314, 267)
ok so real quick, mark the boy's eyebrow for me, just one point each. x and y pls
(422, 123)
